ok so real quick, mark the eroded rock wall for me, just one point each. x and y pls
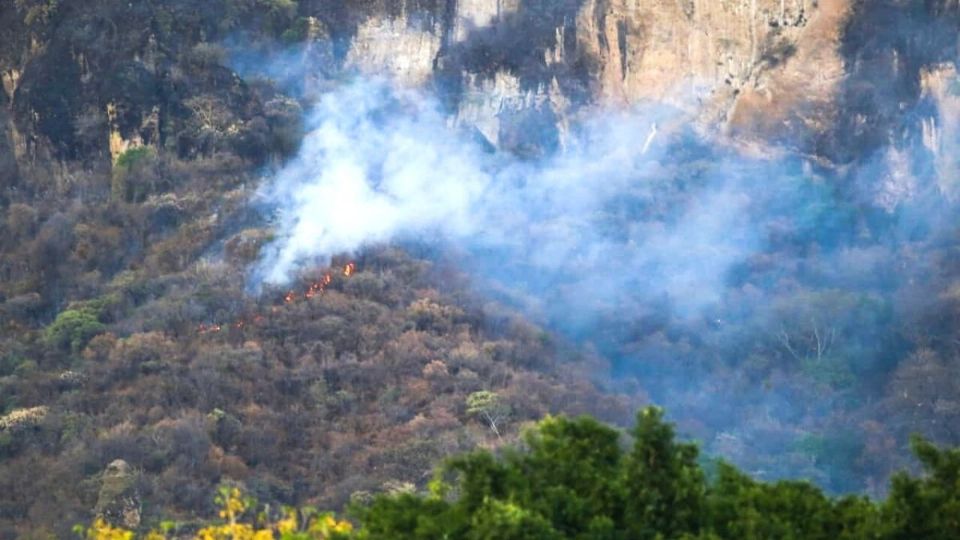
(755, 67)
(825, 78)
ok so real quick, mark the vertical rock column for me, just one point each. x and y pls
(119, 501)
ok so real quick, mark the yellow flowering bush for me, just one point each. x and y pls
(101, 530)
(305, 524)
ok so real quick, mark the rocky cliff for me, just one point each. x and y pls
(821, 77)
(753, 66)
(794, 72)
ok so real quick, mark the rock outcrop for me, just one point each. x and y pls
(821, 77)
(119, 500)
(755, 67)
(941, 125)
(798, 73)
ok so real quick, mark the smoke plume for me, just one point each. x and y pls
(381, 164)
(754, 297)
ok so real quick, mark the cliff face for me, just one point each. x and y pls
(802, 73)
(82, 82)
(753, 66)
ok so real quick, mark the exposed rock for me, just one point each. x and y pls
(941, 127)
(10, 78)
(797, 78)
(811, 75)
(119, 501)
(647, 48)
(886, 46)
(402, 49)
(754, 67)
(897, 183)
(494, 106)
(473, 14)
(150, 126)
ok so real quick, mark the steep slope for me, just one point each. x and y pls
(133, 135)
(317, 394)
(519, 71)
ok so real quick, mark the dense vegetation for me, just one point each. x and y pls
(126, 228)
(367, 383)
(118, 261)
(577, 479)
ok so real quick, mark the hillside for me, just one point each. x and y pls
(576, 478)
(313, 247)
(363, 384)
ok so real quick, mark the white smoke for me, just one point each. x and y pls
(379, 164)
(363, 177)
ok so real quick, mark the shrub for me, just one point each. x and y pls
(133, 178)
(73, 329)
(573, 478)
(9, 364)
(207, 55)
(133, 157)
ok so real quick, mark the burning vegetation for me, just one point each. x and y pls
(311, 290)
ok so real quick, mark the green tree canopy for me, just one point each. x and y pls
(574, 478)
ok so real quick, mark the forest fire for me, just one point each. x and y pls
(314, 289)
(320, 286)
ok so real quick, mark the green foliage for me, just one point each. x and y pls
(9, 364)
(572, 469)
(927, 507)
(134, 157)
(37, 12)
(488, 407)
(73, 328)
(573, 480)
(743, 508)
(499, 520)
(280, 8)
(204, 55)
(276, 14)
(482, 402)
(833, 372)
(132, 175)
(834, 451)
(80, 322)
(664, 485)
(298, 31)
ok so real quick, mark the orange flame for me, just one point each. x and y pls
(315, 288)
(318, 287)
(204, 329)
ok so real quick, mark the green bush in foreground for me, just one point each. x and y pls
(575, 479)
